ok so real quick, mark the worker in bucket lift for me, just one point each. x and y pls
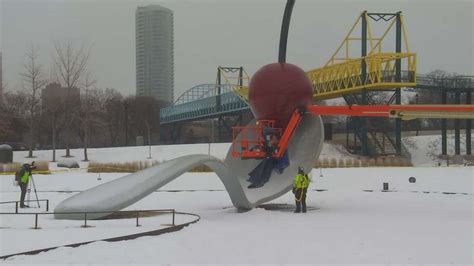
(300, 187)
(270, 140)
(274, 143)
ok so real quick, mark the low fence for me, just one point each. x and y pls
(364, 162)
(17, 202)
(134, 213)
(173, 228)
(127, 167)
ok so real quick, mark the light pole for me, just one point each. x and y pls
(417, 121)
(125, 106)
(149, 140)
(211, 137)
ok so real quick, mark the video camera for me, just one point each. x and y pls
(30, 167)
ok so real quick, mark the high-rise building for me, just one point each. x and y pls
(154, 52)
(54, 96)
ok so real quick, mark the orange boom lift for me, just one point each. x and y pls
(264, 140)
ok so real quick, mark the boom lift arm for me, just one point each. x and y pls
(405, 112)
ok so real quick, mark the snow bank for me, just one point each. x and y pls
(426, 150)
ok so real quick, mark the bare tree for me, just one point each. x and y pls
(14, 115)
(54, 128)
(114, 114)
(71, 67)
(71, 63)
(437, 78)
(144, 114)
(3, 87)
(53, 110)
(5, 124)
(33, 79)
(5, 117)
(88, 106)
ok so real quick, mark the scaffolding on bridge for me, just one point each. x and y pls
(364, 64)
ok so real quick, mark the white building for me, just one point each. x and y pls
(154, 52)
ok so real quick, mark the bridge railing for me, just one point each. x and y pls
(238, 79)
(456, 82)
(202, 91)
(348, 77)
(203, 108)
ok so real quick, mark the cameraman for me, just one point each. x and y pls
(24, 177)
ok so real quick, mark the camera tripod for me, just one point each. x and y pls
(34, 189)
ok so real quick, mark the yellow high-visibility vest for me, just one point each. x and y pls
(301, 181)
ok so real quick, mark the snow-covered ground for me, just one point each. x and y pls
(350, 220)
(420, 222)
(425, 150)
(130, 154)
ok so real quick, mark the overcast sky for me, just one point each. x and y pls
(225, 32)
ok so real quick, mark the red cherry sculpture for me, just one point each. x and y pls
(276, 90)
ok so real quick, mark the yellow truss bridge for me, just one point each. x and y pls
(374, 69)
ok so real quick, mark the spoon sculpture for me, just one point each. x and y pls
(115, 195)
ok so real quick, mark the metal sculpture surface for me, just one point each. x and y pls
(233, 172)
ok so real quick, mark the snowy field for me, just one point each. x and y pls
(350, 220)
(424, 151)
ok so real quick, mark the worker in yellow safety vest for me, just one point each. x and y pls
(300, 187)
(22, 176)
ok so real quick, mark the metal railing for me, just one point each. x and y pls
(202, 91)
(154, 232)
(237, 79)
(17, 202)
(224, 103)
(454, 83)
(136, 212)
(348, 77)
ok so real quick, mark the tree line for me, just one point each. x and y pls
(95, 117)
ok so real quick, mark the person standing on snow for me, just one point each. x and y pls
(300, 187)
(23, 176)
